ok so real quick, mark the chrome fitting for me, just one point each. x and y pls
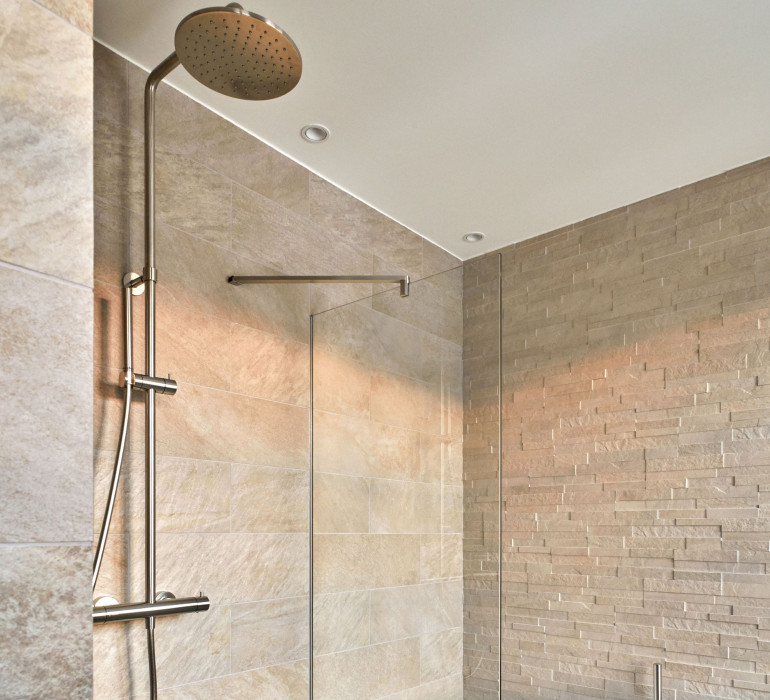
(134, 282)
(150, 274)
(137, 611)
(142, 381)
(162, 386)
(405, 286)
(126, 378)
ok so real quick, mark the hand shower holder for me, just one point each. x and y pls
(145, 382)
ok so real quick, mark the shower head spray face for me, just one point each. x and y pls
(238, 53)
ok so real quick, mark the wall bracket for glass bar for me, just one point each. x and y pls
(402, 280)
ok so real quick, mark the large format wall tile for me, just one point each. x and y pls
(116, 230)
(180, 181)
(210, 424)
(441, 556)
(227, 567)
(264, 499)
(368, 672)
(441, 654)
(334, 210)
(341, 503)
(359, 447)
(409, 611)
(46, 343)
(45, 628)
(340, 385)
(350, 562)
(279, 682)
(340, 621)
(118, 165)
(269, 366)
(398, 400)
(269, 632)
(46, 188)
(376, 341)
(45, 352)
(191, 346)
(434, 306)
(192, 495)
(404, 507)
(450, 688)
(267, 231)
(234, 567)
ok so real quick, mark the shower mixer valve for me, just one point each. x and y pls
(142, 381)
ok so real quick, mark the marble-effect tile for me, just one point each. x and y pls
(340, 621)
(265, 499)
(46, 225)
(269, 632)
(45, 628)
(46, 380)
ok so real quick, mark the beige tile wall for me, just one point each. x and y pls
(388, 506)
(46, 254)
(635, 459)
(232, 468)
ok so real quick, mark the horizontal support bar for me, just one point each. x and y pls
(403, 280)
(140, 611)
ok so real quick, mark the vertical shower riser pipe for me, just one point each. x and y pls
(311, 527)
(150, 277)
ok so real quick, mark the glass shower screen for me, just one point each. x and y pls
(387, 495)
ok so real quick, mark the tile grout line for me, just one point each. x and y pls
(44, 275)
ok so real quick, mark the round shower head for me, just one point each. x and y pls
(238, 53)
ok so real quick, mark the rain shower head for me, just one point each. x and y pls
(238, 53)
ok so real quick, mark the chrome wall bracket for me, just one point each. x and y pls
(135, 282)
(402, 280)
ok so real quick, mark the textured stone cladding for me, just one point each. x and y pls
(481, 486)
(635, 446)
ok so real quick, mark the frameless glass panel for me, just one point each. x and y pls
(388, 494)
(482, 461)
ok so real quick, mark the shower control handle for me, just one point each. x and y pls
(143, 381)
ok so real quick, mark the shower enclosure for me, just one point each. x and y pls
(308, 452)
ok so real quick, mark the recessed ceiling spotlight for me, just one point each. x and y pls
(314, 133)
(473, 237)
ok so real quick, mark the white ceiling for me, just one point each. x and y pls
(511, 117)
